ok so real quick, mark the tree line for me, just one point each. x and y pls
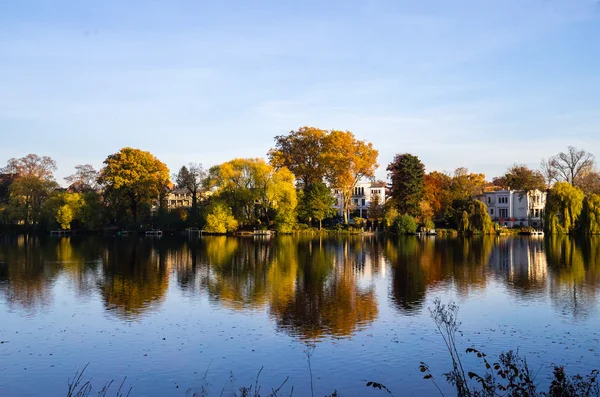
(292, 189)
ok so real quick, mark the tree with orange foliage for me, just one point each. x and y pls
(348, 161)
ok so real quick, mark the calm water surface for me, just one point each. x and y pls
(177, 316)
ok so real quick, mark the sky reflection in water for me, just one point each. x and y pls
(164, 312)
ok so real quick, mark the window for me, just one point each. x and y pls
(489, 200)
(363, 202)
(503, 200)
(503, 212)
(491, 211)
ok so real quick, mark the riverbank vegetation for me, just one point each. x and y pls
(510, 375)
(307, 184)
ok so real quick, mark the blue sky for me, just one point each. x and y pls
(473, 83)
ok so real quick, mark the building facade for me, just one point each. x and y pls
(364, 194)
(513, 208)
(178, 198)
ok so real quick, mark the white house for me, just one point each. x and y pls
(363, 195)
(516, 208)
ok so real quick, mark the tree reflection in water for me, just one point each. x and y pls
(575, 266)
(134, 277)
(311, 287)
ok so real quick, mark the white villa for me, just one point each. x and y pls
(362, 197)
(516, 208)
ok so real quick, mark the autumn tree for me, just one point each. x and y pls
(85, 179)
(465, 185)
(220, 220)
(63, 208)
(566, 167)
(135, 176)
(375, 210)
(282, 198)
(350, 161)
(304, 153)
(437, 193)
(589, 182)
(255, 191)
(64, 217)
(32, 165)
(32, 184)
(520, 177)
(407, 175)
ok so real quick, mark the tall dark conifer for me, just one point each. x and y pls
(407, 177)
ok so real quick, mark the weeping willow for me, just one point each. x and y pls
(563, 208)
(590, 218)
(480, 219)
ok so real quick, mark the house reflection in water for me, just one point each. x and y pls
(521, 263)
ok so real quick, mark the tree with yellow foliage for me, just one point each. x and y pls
(348, 161)
(220, 220)
(256, 192)
(563, 207)
(134, 176)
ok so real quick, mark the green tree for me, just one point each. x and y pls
(28, 194)
(564, 204)
(316, 203)
(32, 184)
(406, 224)
(92, 211)
(220, 220)
(590, 217)
(464, 225)
(479, 219)
(135, 177)
(407, 175)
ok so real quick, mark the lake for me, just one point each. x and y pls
(178, 316)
